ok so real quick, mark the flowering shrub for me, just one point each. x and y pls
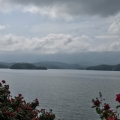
(104, 110)
(18, 109)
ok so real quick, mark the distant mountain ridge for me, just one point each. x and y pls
(105, 67)
(58, 65)
(61, 65)
(52, 65)
(7, 64)
(4, 66)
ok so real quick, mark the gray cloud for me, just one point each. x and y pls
(59, 43)
(70, 7)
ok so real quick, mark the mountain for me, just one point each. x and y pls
(50, 65)
(27, 66)
(105, 67)
(58, 65)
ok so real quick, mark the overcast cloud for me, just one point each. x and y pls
(70, 7)
(59, 26)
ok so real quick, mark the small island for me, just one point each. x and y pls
(27, 66)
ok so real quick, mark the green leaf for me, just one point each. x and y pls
(117, 106)
(98, 110)
(93, 106)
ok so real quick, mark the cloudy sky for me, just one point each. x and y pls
(59, 26)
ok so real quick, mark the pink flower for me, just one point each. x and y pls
(97, 103)
(12, 114)
(118, 97)
(106, 106)
(20, 95)
(17, 109)
(3, 81)
(6, 112)
(111, 118)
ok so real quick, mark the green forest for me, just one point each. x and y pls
(27, 66)
(105, 67)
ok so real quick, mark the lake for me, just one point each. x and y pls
(68, 92)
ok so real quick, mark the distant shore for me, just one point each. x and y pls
(105, 67)
(58, 65)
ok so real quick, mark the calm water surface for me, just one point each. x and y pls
(67, 92)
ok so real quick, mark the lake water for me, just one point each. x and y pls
(68, 92)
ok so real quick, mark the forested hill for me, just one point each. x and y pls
(27, 66)
(59, 65)
(105, 67)
(52, 65)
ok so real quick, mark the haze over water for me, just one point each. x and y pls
(68, 92)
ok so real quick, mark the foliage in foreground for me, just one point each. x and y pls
(18, 109)
(104, 110)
